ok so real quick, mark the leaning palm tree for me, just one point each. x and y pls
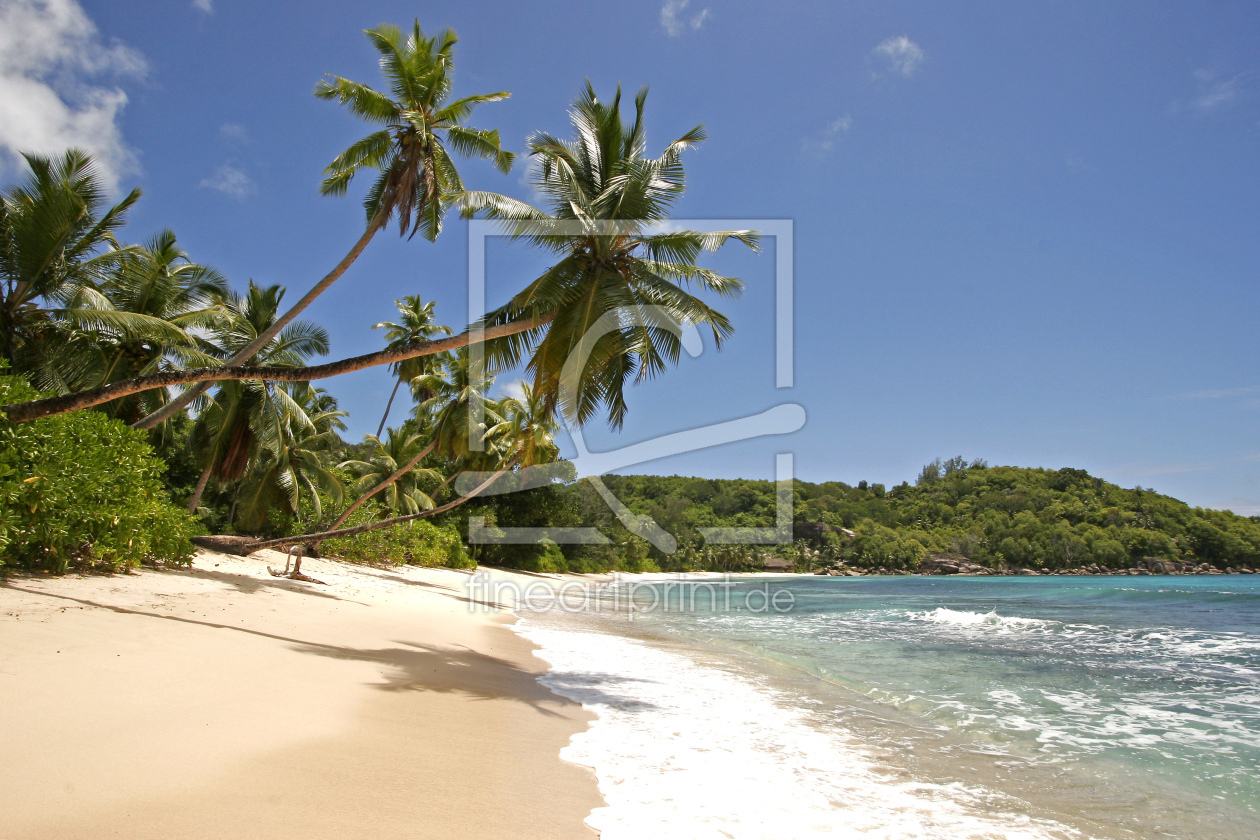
(606, 204)
(415, 324)
(616, 298)
(416, 173)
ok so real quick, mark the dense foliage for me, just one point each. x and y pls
(84, 491)
(991, 515)
(418, 543)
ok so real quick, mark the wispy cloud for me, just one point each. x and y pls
(231, 181)
(234, 131)
(901, 55)
(1216, 92)
(826, 139)
(675, 21)
(206, 6)
(50, 51)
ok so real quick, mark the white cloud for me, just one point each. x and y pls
(206, 6)
(231, 181)
(840, 124)
(515, 390)
(675, 23)
(48, 51)
(826, 140)
(902, 55)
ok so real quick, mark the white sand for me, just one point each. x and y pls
(224, 702)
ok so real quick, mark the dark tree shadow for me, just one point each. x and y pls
(248, 584)
(414, 667)
(442, 589)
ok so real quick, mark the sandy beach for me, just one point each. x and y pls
(224, 702)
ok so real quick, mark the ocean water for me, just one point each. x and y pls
(916, 707)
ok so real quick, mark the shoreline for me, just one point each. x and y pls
(678, 701)
(220, 701)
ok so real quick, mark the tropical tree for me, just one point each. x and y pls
(612, 306)
(457, 416)
(420, 125)
(404, 494)
(294, 457)
(609, 310)
(415, 324)
(528, 430)
(57, 240)
(242, 415)
(160, 282)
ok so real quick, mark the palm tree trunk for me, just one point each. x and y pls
(378, 488)
(388, 406)
(374, 526)
(280, 323)
(24, 412)
(201, 488)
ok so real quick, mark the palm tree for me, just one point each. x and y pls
(418, 122)
(294, 458)
(617, 268)
(243, 414)
(157, 281)
(528, 430)
(415, 324)
(456, 414)
(605, 200)
(403, 495)
(56, 242)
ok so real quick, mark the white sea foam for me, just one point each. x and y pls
(686, 750)
(988, 621)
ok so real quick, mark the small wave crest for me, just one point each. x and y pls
(988, 621)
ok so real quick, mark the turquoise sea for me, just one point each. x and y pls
(929, 707)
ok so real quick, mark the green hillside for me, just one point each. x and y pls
(992, 516)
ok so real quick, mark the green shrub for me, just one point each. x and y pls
(421, 542)
(83, 490)
(416, 543)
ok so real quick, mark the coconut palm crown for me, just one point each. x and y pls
(419, 124)
(606, 205)
(415, 324)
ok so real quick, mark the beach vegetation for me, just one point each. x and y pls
(83, 491)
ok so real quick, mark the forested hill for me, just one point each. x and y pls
(990, 515)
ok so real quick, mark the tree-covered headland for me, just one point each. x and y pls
(956, 513)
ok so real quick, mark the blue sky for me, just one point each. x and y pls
(1022, 233)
